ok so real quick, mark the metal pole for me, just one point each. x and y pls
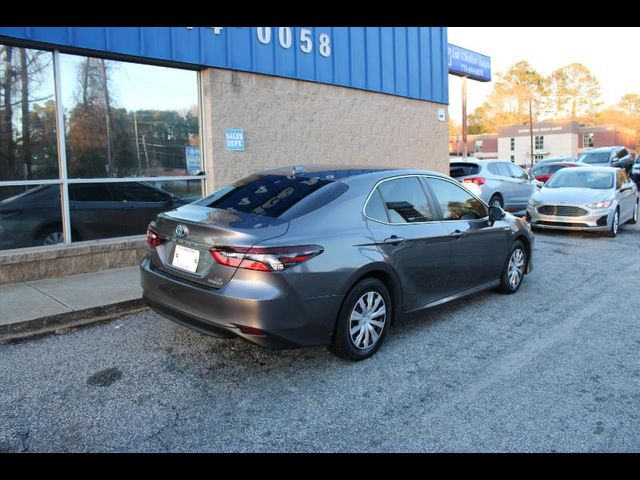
(464, 117)
(135, 130)
(530, 132)
(62, 151)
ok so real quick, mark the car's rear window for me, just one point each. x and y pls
(546, 169)
(463, 169)
(277, 196)
(594, 157)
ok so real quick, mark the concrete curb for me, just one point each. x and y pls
(76, 318)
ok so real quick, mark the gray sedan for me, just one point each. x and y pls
(588, 198)
(314, 255)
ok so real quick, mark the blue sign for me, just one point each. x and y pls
(234, 139)
(192, 156)
(465, 63)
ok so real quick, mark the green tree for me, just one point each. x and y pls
(573, 93)
(508, 103)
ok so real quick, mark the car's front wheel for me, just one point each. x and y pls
(363, 321)
(615, 225)
(514, 269)
(634, 218)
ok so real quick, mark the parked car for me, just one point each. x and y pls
(97, 210)
(328, 256)
(635, 172)
(546, 161)
(608, 157)
(497, 182)
(539, 174)
(588, 198)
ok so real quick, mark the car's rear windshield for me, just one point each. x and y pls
(463, 169)
(277, 196)
(577, 178)
(546, 169)
(594, 157)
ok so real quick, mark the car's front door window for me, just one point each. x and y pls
(455, 202)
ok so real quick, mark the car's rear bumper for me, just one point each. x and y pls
(285, 320)
(595, 220)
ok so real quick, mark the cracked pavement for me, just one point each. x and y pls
(555, 367)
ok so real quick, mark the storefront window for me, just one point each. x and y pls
(129, 120)
(116, 209)
(28, 146)
(122, 120)
(30, 216)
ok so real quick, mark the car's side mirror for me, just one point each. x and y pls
(496, 213)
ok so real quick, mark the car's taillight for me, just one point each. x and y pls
(476, 180)
(153, 238)
(543, 178)
(266, 259)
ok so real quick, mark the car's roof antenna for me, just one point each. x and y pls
(295, 169)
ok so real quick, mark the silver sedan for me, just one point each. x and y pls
(590, 198)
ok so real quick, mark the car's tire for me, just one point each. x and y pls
(634, 218)
(496, 200)
(615, 225)
(363, 321)
(514, 268)
(49, 235)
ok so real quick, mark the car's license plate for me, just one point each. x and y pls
(186, 258)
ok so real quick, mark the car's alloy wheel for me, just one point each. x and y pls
(367, 320)
(496, 202)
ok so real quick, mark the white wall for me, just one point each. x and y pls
(555, 145)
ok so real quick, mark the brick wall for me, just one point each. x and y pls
(294, 122)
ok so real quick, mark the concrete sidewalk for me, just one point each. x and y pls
(40, 306)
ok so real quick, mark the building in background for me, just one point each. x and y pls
(482, 146)
(550, 139)
(103, 127)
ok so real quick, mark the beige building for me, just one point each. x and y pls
(290, 121)
(549, 139)
(102, 128)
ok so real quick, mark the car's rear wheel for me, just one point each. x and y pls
(496, 201)
(615, 225)
(50, 235)
(514, 269)
(363, 321)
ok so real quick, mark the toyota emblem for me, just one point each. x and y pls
(181, 230)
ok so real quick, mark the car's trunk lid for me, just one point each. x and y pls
(192, 228)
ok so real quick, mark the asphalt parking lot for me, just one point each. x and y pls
(555, 367)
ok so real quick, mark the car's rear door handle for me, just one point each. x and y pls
(394, 240)
(457, 234)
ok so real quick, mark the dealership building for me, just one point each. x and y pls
(550, 139)
(102, 127)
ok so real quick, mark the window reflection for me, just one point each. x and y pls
(28, 146)
(127, 120)
(103, 210)
(30, 216)
(455, 202)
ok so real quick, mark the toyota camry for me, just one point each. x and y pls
(319, 255)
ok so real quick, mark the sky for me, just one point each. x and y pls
(608, 52)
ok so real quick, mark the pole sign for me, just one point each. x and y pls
(465, 63)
